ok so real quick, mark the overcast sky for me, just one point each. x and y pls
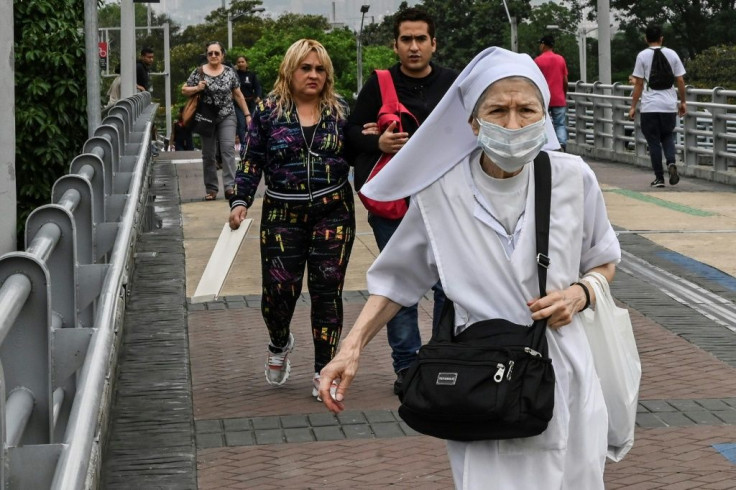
(188, 12)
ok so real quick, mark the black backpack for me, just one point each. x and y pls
(661, 76)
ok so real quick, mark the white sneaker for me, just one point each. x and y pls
(278, 366)
(315, 387)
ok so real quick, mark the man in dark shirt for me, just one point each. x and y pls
(143, 70)
(420, 85)
(252, 91)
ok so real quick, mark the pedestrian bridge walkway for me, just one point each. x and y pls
(112, 378)
(192, 408)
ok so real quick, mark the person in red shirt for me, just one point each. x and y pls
(554, 69)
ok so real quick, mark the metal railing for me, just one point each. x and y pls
(61, 302)
(599, 126)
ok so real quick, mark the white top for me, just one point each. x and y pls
(658, 100)
(446, 234)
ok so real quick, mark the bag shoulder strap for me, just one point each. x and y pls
(390, 105)
(543, 194)
(542, 197)
(388, 91)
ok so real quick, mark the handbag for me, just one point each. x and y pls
(616, 359)
(390, 111)
(494, 380)
(204, 118)
(187, 115)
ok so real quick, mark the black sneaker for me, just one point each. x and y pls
(399, 383)
(657, 183)
(674, 176)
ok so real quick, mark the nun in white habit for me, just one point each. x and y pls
(469, 170)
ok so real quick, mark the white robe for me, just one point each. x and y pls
(448, 235)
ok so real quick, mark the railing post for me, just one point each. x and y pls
(689, 126)
(720, 129)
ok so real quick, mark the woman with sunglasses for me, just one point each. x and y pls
(219, 86)
(296, 140)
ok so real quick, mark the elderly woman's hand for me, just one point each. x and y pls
(341, 370)
(558, 307)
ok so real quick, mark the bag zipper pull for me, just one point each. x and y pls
(498, 377)
(511, 368)
(532, 352)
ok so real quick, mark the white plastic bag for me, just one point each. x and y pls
(617, 363)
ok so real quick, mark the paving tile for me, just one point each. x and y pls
(322, 419)
(299, 435)
(269, 436)
(265, 423)
(328, 433)
(387, 429)
(657, 406)
(649, 420)
(351, 417)
(240, 438)
(379, 416)
(208, 426)
(239, 424)
(292, 421)
(358, 431)
(207, 441)
(703, 418)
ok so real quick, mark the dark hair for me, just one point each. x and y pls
(548, 41)
(653, 33)
(413, 15)
(222, 48)
(146, 50)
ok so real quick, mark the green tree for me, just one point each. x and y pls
(691, 26)
(50, 96)
(714, 67)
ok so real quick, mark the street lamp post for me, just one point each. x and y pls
(583, 51)
(512, 24)
(231, 18)
(363, 11)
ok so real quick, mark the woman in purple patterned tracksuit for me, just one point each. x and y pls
(296, 140)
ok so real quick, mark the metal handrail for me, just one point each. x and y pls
(65, 295)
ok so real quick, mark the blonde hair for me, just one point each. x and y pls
(292, 59)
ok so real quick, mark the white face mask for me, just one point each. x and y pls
(511, 149)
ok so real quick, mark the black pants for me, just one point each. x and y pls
(318, 234)
(658, 129)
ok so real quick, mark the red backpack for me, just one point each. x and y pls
(390, 111)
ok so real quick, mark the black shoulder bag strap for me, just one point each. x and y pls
(542, 197)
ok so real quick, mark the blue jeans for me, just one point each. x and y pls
(403, 329)
(559, 121)
(658, 129)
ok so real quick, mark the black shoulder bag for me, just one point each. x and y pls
(495, 379)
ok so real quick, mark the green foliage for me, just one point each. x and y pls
(50, 96)
(714, 67)
(697, 24)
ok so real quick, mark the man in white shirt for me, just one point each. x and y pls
(659, 108)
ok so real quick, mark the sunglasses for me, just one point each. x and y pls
(213, 53)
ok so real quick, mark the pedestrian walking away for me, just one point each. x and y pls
(656, 71)
(470, 169)
(420, 85)
(296, 140)
(554, 69)
(220, 87)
